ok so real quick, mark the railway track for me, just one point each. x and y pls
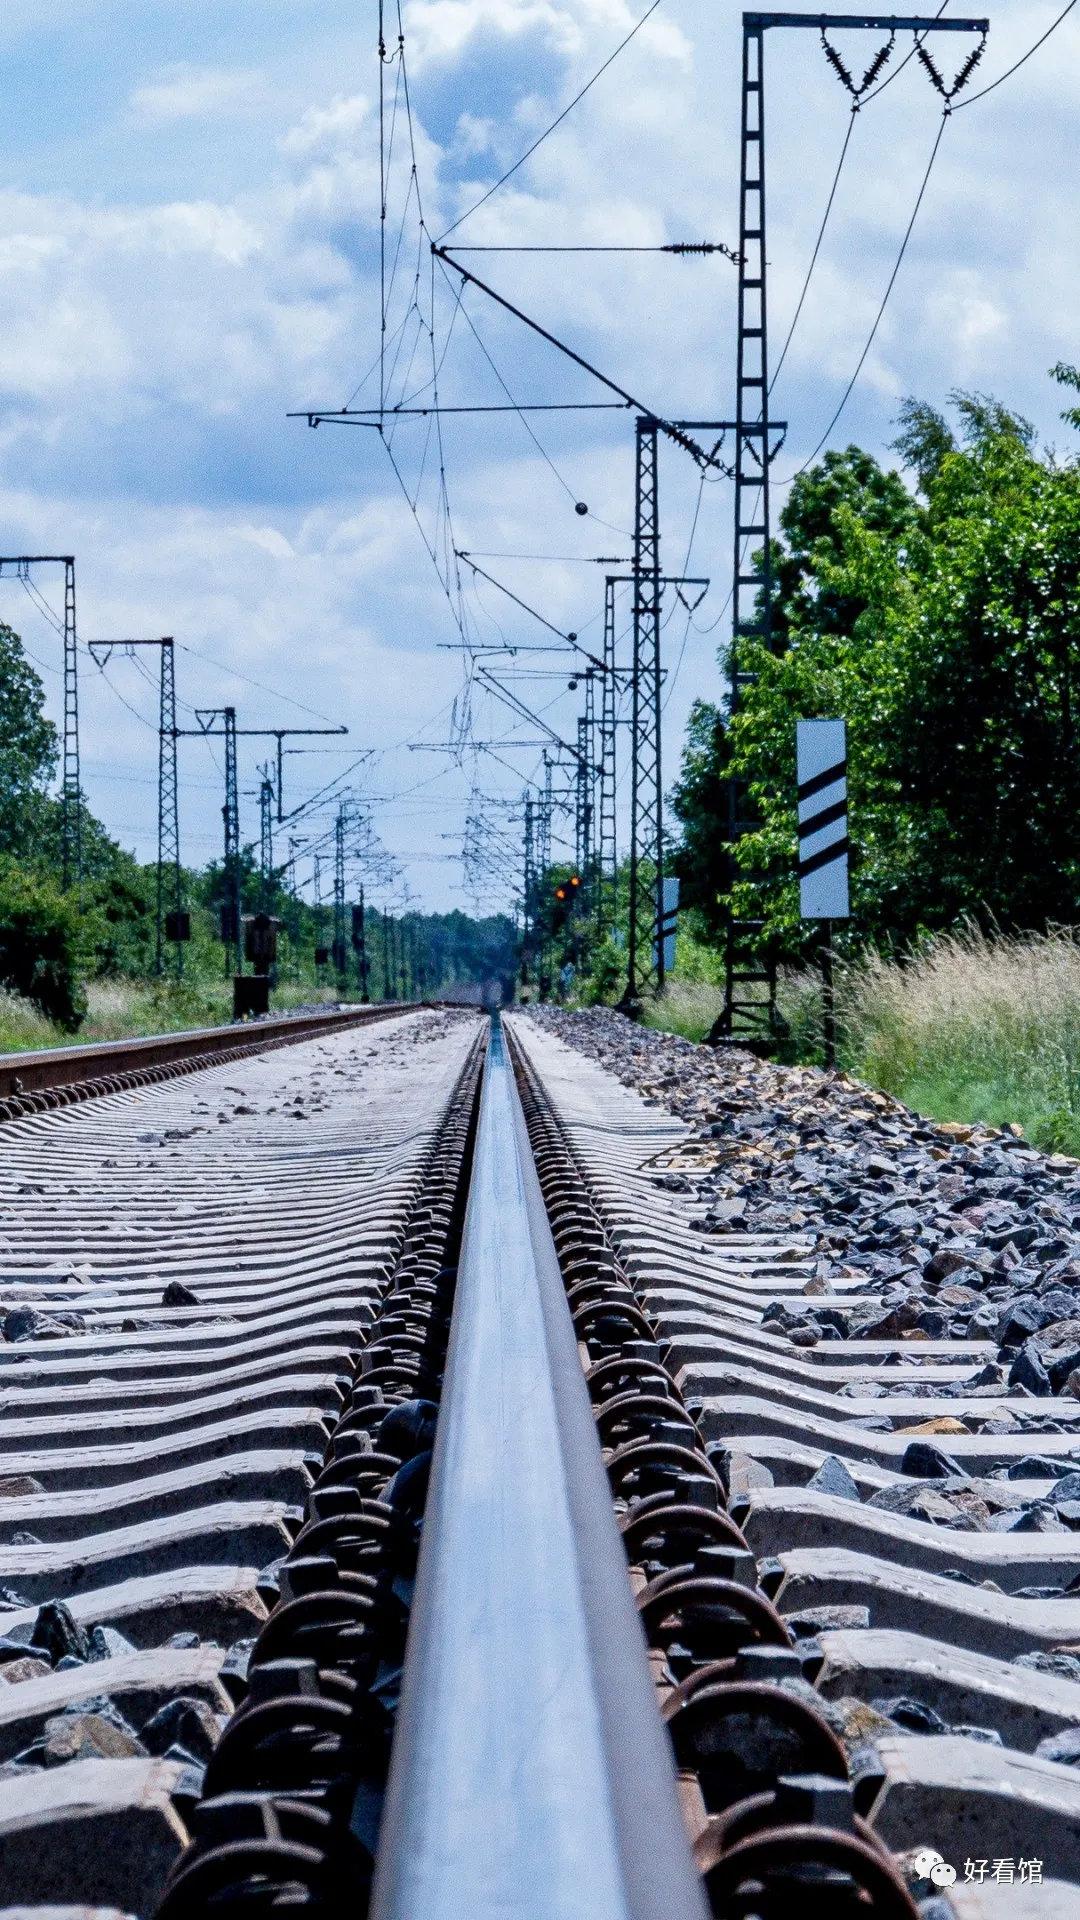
(405, 1507)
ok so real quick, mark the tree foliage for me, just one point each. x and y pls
(28, 748)
(945, 628)
(43, 947)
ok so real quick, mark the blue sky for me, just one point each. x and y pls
(189, 248)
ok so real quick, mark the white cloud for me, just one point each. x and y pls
(197, 93)
(336, 128)
(149, 349)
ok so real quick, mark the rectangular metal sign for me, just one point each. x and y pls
(670, 927)
(821, 760)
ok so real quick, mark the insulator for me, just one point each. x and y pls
(935, 77)
(880, 60)
(968, 68)
(838, 66)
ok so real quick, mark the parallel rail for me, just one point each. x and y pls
(107, 1066)
(403, 1417)
(531, 1776)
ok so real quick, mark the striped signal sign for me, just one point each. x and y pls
(821, 758)
(669, 927)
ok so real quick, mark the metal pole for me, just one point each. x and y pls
(71, 801)
(362, 954)
(338, 955)
(752, 550)
(828, 1002)
(607, 887)
(266, 839)
(646, 805)
(528, 893)
(234, 958)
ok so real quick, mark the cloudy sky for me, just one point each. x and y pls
(189, 249)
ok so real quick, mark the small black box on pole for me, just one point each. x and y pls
(251, 995)
(821, 772)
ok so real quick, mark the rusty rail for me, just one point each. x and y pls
(55, 1076)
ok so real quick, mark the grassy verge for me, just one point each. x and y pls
(694, 996)
(974, 1027)
(121, 1009)
(688, 1007)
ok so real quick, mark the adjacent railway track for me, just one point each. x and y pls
(405, 1511)
(58, 1076)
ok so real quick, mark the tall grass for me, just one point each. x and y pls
(974, 1027)
(688, 1007)
(23, 1026)
(119, 1009)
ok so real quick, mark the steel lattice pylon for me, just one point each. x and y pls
(71, 825)
(645, 960)
(607, 878)
(583, 806)
(231, 930)
(749, 1010)
(170, 896)
(360, 945)
(169, 891)
(266, 840)
(230, 814)
(70, 783)
(338, 950)
(528, 894)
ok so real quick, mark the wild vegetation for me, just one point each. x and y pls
(82, 962)
(937, 608)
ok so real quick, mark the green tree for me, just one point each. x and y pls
(1068, 377)
(43, 947)
(945, 629)
(28, 748)
(806, 584)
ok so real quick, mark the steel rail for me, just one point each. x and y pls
(51, 1067)
(531, 1778)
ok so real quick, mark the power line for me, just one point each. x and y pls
(1024, 58)
(857, 106)
(884, 301)
(111, 684)
(817, 246)
(42, 605)
(529, 151)
(234, 673)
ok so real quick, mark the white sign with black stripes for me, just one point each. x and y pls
(821, 760)
(670, 928)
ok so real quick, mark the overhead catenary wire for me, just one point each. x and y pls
(879, 316)
(234, 673)
(817, 249)
(862, 100)
(1017, 64)
(557, 122)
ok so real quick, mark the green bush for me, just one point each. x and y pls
(42, 954)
